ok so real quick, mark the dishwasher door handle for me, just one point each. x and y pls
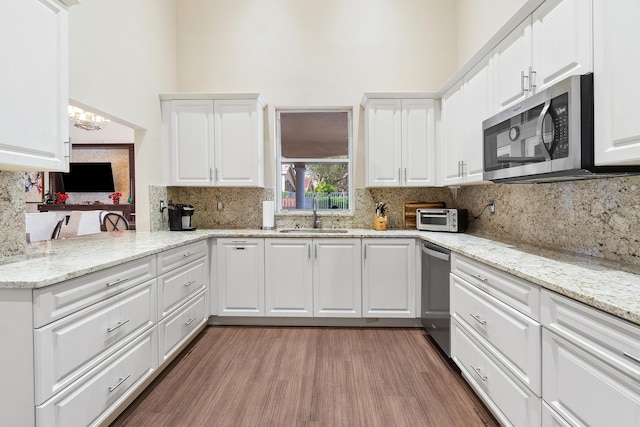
(439, 255)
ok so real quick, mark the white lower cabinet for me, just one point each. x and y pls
(509, 399)
(511, 336)
(337, 278)
(60, 359)
(81, 349)
(496, 339)
(551, 418)
(240, 277)
(85, 403)
(177, 328)
(591, 364)
(289, 277)
(389, 278)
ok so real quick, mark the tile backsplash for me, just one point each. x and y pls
(599, 217)
(13, 235)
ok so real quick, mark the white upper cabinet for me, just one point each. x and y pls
(214, 141)
(34, 130)
(239, 136)
(561, 41)
(464, 108)
(616, 98)
(399, 142)
(451, 120)
(551, 44)
(192, 137)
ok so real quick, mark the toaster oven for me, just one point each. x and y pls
(450, 220)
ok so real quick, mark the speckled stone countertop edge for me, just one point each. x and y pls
(591, 281)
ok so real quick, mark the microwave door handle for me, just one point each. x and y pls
(539, 128)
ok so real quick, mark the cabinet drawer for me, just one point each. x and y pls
(174, 258)
(515, 292)
(176, 328)
(55, 302)
(513, 337)
(68, 348)
(89, 400)
(518, 406)
(614, 341)
(585, 390)
(177, 286)
(551, 418)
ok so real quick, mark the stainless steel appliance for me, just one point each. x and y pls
(547, 137)
(450, 220)
(180, 217)
(435, 315)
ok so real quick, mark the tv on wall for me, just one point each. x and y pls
(88, 178)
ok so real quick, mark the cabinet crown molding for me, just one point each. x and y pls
(211, 96)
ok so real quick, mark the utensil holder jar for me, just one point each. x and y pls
(380, 223)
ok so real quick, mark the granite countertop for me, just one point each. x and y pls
(608, 286)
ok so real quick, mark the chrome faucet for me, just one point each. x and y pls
(314, 204)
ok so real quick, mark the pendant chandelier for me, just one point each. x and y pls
(86, 120)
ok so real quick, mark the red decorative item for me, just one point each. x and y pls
(61, 198)
(115, 197)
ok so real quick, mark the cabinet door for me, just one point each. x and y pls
(512, 59)
(241, 277)
(383, 147)
(476, 107)
(389, 281)
(239, 152)
(288, 277)
(418, 142)
(34, 130)
(561, 41)
(450, 155)
(337, 278)
(584, 389)
(616, 58)
(191, 142)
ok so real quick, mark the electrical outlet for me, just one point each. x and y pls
(492, 207)
(220, 206)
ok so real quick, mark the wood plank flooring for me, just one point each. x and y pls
(279, 376)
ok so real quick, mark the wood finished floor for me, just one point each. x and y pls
(277, 376)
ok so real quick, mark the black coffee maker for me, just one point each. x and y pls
(180, 217)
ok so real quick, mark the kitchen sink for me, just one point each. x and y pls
(313, 230)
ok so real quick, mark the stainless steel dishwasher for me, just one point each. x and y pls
(436, 265)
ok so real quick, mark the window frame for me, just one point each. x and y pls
(348, 160)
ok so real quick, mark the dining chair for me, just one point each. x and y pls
(114, 222)
(57, 228)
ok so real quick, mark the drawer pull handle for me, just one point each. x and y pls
(124, 322)
(189, 283)
(482, 322)
(477, 371)
(479, 277)
(632, 357)
(112, 388)
(188, 254)
(188, 322)
(117, 281)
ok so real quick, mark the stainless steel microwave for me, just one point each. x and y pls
(546, 137)
(450, 220)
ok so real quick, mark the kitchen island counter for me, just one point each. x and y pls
(608, 286)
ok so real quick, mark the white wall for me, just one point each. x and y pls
(122, 54)
(315, 52)
(478, 20)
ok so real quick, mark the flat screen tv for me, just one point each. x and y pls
(88, 178)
